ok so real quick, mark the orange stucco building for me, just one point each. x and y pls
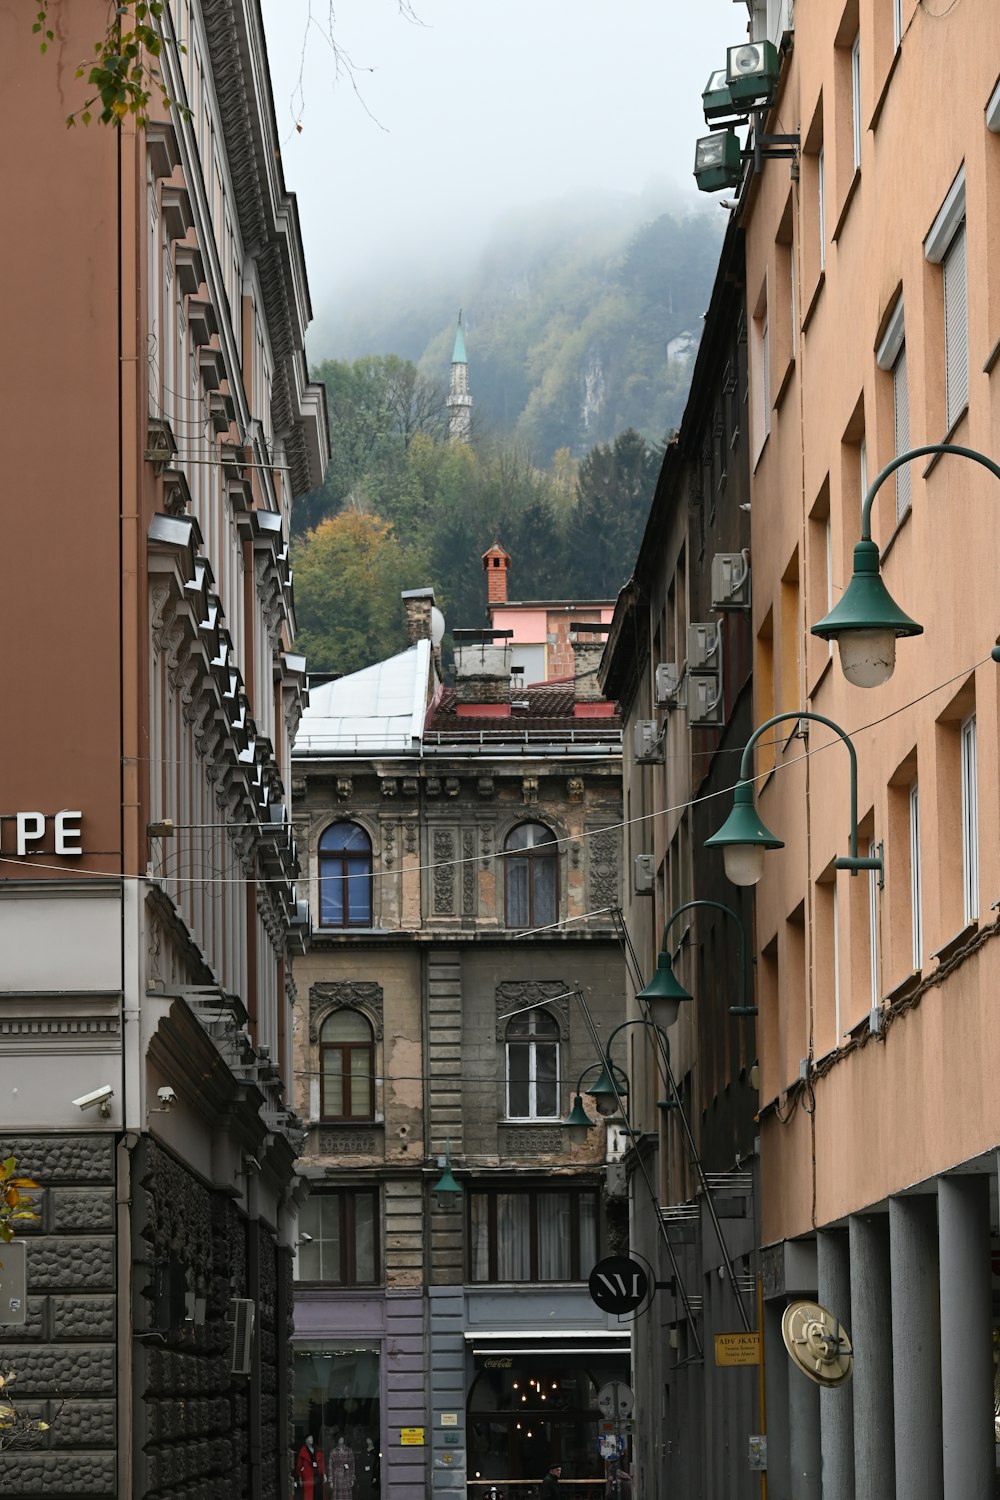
(158, 420)
(873, 302)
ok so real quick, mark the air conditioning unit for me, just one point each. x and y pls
(646, 741)
(645, 875)
(667, 684)
(241, 1321)
(731, 580)
(704, 647)
(705, 707)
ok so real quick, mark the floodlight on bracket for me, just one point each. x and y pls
(764, 147)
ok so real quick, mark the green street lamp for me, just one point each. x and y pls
(578, 1123)
(744, 839)
(446, 1191)
(664, 994)
(866, 621)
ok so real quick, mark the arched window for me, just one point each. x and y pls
(531, 879)
(346, 1067)
(345, 876)
(532, 1066)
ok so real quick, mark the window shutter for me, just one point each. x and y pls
(901, 402)
(956, 327)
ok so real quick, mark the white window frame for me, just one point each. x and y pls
(897, 23)
(916, 883)
(821, 176)
(828, 536)
(791, 289)
(891, 357)
(873, 923)
(856, 100)
(970, 820)
(946, 246)
(532, 1043)
(836, 968)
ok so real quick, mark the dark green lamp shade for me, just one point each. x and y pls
(866, 603)
(865, 622)
(578, 1119)
(744, 839)
(604, 1093)
(664, 994)
(717, 162)
(752, 72)
(446, 1190)
(716, 100)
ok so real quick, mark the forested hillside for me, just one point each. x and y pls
(581, 320)
(580, 334)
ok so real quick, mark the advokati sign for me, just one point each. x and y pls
(618, 1284)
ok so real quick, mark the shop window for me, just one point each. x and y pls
(336, 1402)
(532, 1042)
(342, 1248)
(347, 1067)
(531, 876)
(345, 876)
(532, 1234)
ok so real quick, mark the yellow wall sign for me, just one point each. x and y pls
(411, 1437)
(737, 1348)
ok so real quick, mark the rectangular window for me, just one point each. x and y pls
(856, 98)
(821, 187)
(873, 923)
(532, 1234)
(836, 968)
(891, 357)
(897, 23)
(970, 821)
(956, 328)
(765, 374)
(916, 903)
(343, 1245)
(945, 246)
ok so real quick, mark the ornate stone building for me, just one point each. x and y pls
(147, 869)
(462, 847)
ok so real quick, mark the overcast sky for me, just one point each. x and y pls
(484, 106)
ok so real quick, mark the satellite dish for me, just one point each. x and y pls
(817, 1344)
(437, 626)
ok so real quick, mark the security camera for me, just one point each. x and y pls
(305, 1239)
(96, 1097)
(166, 1095)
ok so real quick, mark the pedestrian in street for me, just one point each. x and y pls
(550, 1484)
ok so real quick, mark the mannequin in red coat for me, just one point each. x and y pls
(309, 1470)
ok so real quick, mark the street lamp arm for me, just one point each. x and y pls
(637, 1021)
(717, 906)
(907, 457)
(851, 862)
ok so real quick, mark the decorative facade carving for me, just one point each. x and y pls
(605, 863)
(574, 788)
(517, 1140)
(529, 789)
(444, 872)
(389, 786)
(388, 845)
(468, 873)
(345, 788)
(485, 786)
(351, 1143)
(486, 833)
(513, 994)
(326, 997)
(410, 833)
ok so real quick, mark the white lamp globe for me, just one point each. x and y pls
(867, 657)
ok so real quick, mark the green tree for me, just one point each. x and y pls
(377, 406)
(615, 490)
(349, 572)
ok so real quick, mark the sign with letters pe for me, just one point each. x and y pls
(618, 1284)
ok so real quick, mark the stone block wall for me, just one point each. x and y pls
(64, 1357)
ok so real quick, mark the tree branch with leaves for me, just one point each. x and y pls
(124, 72)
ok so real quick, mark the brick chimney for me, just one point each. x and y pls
(495, 564)
(587, 639)
(418, 604)
(482, 673)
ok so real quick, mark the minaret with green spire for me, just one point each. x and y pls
(459, 400)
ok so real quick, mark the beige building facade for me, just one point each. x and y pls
(873, 302)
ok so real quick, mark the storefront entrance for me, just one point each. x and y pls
(526, 1412)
